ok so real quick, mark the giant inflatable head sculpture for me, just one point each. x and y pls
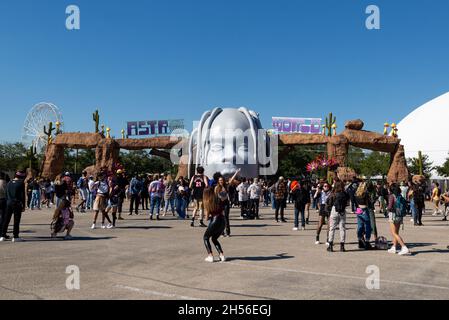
(225, 140)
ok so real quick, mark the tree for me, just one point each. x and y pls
(355, 158)
(294, 159)
(414, 166)
(142, 162)
(375, 164)
(444, 169)
(13, 156)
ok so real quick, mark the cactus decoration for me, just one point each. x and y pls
(123, 133)
(58, 127)
(31, 154)
(334, 127)
(330, 121)
(394, 130)
(96, 118)
(49, 132)
(108, 132)
(420, 165)
(386, 125)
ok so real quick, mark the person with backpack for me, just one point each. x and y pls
(82, 185)
(419, 203)
(364, 228)
(102, 188)
(397, 210)
(169, 194)
(15, 206)
(197, 184)
(336, 204)
(351, 190)
(280, 196)
(156, 191)
(300, 196)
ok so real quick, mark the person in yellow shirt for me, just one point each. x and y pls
(436, 198)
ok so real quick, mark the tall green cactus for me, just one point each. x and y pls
(49, 132)
(31, 155)
(96, 118)
(420, 164)
(330, 121)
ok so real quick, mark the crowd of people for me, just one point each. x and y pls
(212, 199)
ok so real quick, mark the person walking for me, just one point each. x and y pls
(363, 216)
(3, 184)
(102, 188)
(122, 183)
(336, 204)
(214, 212)
(156, 191)
(182, 198)
(300, 196)
(322, 194)
(419, 203)
(63, 220)
(280, 195)
(15, 206)
(242, 190)
(82, 185)
(222, 192)
(396, 212)
(169, 194)
(254, 192)
(135, 190)
(197, 184)
(436, 194)
(36, 195)
(145, 195)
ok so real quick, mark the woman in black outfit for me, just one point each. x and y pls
(214, 211)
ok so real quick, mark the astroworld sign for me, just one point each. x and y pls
(296, 125)
(153, 128)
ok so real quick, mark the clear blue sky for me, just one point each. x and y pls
(142, 60)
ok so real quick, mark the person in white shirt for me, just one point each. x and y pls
(242, 189)
(254, 191)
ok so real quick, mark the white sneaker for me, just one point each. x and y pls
(110, 226)
(411, 220)
(2, 239)
(222, 258)
(295, 229)
(93, 226)
(317, 242)
(434, 213)
(327, 244)
(17, 239)
(103, 226)
(392, 250)
(209, 259)
(404, 251)
(303, 228)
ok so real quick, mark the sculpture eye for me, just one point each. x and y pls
(216, 147)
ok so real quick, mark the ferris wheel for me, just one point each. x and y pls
(33, 128)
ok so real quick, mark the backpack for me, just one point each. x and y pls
(80, 183)
(381, 243)
(401, 206)
(340, 202)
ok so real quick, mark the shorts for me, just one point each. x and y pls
(393, 218)
(323, 212)
(83, 194)
(199, 204)
(100, 203)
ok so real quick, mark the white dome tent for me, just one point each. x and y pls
(425, 129)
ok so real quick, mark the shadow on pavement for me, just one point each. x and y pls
(261, 258)
(414, 253)
(262, 235)
(144, 227)
(61, 238)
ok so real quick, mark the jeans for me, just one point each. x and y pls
(90, 200)
(244, 208)
(134, 204)
(353, 203)
(337, 219)
(181, 205)
(413, 210)
(2, 212)
(297, 211)
(36, 199)
(227, 209)
(170, 202)
(364, 225)
(12, 208)
(279, 206)
(255, 207)
(155, 202)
